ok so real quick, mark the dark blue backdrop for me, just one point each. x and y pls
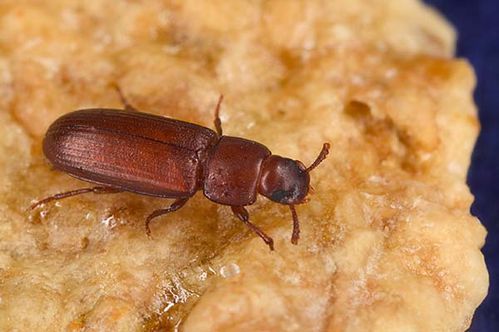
(478, 28)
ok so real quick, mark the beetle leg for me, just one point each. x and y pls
(174, 207)
(217, 122)
(243, 215)
(56, 197)
(296, 225)
(124, 101)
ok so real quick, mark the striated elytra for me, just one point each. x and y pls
(127, 150)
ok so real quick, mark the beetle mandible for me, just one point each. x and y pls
(127, 150)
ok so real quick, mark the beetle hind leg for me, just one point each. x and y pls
(59, 196)
(174, 207)
(243, 215)
(124, 101)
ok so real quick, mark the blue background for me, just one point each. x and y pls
(478, 29)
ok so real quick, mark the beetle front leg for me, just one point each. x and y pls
(174, 207)
(243, 215)
(296, 226)
(56, 197)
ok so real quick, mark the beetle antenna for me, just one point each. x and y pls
(296, 226)
(322, 155)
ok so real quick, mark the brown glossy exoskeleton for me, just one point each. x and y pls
(126, 150)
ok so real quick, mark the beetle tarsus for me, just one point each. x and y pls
(59, 196)
(174, 207)
(243, 215)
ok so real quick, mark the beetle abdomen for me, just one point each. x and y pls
(132, 151)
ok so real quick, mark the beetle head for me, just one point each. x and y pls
(284, 180)
(287, 181)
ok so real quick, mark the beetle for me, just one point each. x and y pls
(130, 151)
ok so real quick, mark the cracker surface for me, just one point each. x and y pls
(388, 242)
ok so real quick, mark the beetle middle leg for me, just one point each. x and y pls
(243, 215)
(56, 197)
(217, 122)
(174, 207)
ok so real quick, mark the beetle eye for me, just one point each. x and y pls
(285, 195)
(278, 195)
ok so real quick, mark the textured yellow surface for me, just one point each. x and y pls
(388, 243)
